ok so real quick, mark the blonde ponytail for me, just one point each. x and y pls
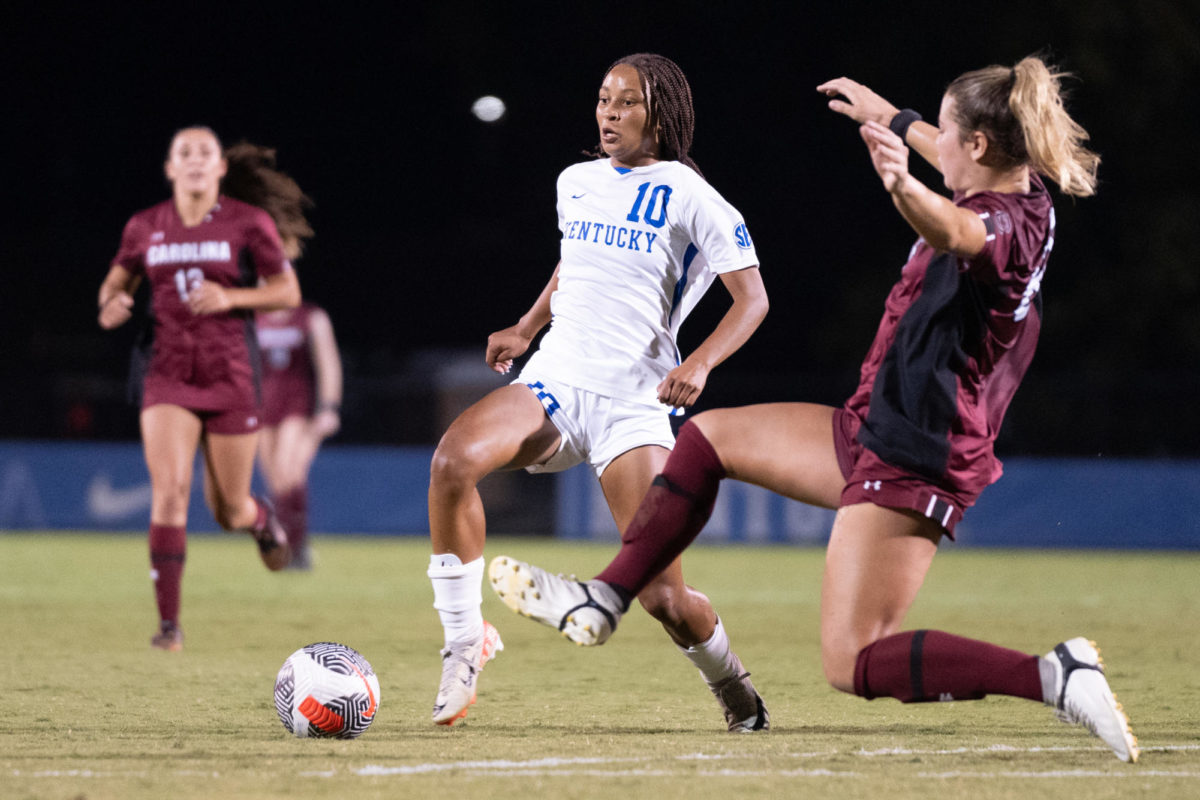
(1054, 141)
(1022, 113)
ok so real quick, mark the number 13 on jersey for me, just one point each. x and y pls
(187, 281)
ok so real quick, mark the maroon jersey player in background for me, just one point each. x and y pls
(210, 259)
(912, 449)
(302, 397)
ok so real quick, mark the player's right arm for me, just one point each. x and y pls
(327, 364)
(116, 297)
(861, 105)
(505, 345)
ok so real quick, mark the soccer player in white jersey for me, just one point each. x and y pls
(643, 235)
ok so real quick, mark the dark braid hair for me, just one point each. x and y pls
(253, 178)
(669, 103)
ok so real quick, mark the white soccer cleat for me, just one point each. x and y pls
(1084, 698)
(461, 664)
(584, 612)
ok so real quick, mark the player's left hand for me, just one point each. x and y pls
(209, 298)
(889, 154)
(683, 385)
(326, 422)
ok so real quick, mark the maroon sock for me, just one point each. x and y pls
(920, 666)
(264, 509)
(671, 515)
(292, 507)
(168, 551)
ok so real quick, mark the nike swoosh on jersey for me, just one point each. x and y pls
(106, 503)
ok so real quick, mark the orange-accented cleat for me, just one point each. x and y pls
(461, 664)
(169, 637)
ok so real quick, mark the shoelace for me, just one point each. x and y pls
(452, 678)
(721, 689)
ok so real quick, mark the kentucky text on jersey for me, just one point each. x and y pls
(187, 252)
(610, 235)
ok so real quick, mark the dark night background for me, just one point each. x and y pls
(434, 229)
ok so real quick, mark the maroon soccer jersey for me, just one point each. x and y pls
(289, 377)
(955, 341)
(205, 362)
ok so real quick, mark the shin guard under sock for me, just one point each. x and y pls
(671, 515)
(168, 551)
(920, 666)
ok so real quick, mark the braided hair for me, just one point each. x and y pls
(669, 102)
(252, 177)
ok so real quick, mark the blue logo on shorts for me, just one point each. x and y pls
(548, 401)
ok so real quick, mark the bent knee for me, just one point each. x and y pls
(225, 514)
(839, 661)
(685, 613)
(662, 603)
(455, 467)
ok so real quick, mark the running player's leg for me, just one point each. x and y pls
(170, 435)
(686, 614)
(507, 429)
(228, 470)
(784, 447)
(876, 562)
(268, 456)
(286, 453)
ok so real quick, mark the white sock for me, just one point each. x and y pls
(713, 658)
(1049, 672)
(457, 596)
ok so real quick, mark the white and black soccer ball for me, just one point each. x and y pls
(327, 690)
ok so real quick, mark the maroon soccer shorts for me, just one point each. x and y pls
(869, 479)
(229, 422)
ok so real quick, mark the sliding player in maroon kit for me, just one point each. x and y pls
(302, 397)
(912, 449)
(210, 260)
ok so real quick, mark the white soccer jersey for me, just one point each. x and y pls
(639, 249)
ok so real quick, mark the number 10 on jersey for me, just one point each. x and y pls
(655, 214)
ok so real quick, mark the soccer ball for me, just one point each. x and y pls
(327, 690)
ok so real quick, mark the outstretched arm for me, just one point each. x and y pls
(942, 224)
(683, 385)
(862, 105)
(505, 345)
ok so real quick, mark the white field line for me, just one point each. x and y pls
(999, 748)
(602, 767)
(488, 766)
(644, 766)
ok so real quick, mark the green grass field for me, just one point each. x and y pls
(90, 711)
